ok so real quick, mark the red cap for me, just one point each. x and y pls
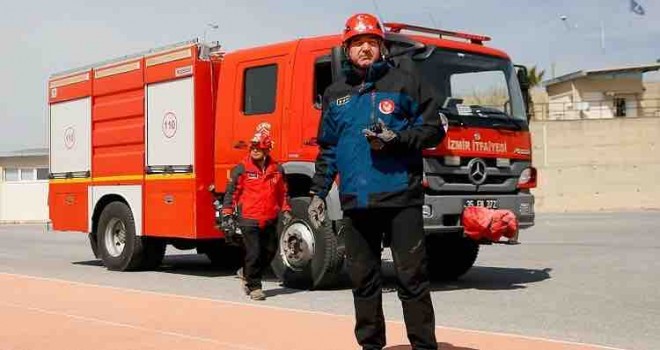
(362, 24)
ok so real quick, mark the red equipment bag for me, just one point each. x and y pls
(504, 224)
(491, 224)
(476, 222)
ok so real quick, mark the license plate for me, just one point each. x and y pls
(486, 203)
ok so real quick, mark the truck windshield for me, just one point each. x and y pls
(474, 89)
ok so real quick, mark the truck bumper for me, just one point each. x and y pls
(442, 214)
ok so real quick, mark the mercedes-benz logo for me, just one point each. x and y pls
(477, 171)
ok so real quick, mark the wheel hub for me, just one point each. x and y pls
(115, 237)
(297, 245)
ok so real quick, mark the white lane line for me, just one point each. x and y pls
(309, 312)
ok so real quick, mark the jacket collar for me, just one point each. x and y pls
(250, 166)
(373, 73)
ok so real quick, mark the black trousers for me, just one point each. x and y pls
(260, 248)
(364, 235)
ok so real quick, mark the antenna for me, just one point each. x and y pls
(380, 15)
(433, 21)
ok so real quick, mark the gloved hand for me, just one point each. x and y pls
(316, 211)
(228, 226)
(286, 218)
(380, 136)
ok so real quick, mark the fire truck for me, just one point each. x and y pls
(141, 146)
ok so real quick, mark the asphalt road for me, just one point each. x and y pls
(590, 278)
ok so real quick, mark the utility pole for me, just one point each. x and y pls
(552, 69)
(602, 35)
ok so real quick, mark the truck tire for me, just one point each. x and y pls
(450, 257)
(222, 256)
(118, 246)
(94, 243)
(307, 258)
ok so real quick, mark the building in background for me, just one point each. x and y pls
(24, 186)
(601, 94)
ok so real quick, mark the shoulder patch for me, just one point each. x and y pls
(343, 100)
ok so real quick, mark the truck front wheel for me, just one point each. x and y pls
(307, 257)
(450, 257)
(119, 247)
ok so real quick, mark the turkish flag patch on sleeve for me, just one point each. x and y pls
(386, 106)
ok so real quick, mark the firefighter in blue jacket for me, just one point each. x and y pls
(375, 124)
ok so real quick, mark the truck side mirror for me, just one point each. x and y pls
(522, 74)
(523, 82)
(337, 59)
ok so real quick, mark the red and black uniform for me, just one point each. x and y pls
(257, 195)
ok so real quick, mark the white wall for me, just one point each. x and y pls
(24, 201)
(593, 165)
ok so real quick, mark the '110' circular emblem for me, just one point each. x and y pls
(169, 125)
(69, 137)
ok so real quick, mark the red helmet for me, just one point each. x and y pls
(262, 140)
(361, 24)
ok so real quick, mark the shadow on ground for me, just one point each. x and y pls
(495, 278)
(479, 277)
(441, 346)
(185, 264)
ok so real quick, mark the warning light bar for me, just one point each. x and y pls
(474, 38)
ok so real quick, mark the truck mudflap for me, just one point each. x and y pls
(442, 214)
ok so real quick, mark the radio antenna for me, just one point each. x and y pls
(380, 15)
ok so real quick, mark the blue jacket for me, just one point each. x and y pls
(390, 177)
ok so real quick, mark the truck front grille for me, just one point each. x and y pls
(452, 179)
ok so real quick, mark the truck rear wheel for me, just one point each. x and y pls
(450, 257)
(307, 257)
(119, 247)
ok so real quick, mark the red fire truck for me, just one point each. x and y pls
(141, 146)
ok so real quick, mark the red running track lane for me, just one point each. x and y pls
(41, 313)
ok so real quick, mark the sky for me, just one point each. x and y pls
(44, 37)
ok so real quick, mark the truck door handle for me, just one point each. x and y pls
(240, 145)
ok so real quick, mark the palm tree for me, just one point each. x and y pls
(535, 77)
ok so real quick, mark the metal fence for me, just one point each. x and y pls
(602, 109)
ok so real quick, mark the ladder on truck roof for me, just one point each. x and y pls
(395, 27)
(208, 49)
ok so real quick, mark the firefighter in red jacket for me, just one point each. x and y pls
(255, 195)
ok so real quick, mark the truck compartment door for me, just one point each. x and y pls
(170, 121)
(70, 138)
